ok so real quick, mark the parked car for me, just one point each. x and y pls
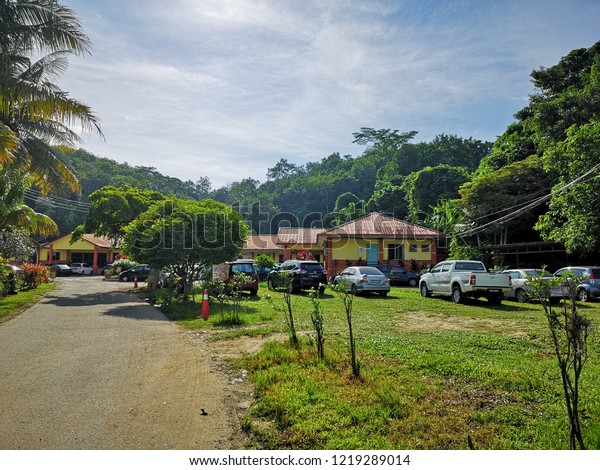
(520, 284)
(141, 271)
(399, 276)
(589, 287)
(62, 269)
(81, 268)
(296, 275)
(465, 278)
(226, 272)
(358, 279)
(263, 273)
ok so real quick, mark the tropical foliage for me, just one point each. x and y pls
(36, 36)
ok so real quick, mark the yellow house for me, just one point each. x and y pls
(379, 239)
(296, 240)
(372, 239)
(95, 251)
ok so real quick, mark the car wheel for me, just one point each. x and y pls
(521, 296)
(321, 290)
(125, 278)
(270, 284)
(583, 295)
(424, 290)
(383, 293)
(495, 299)
(457, 296)
(253, 292)
(412, 282)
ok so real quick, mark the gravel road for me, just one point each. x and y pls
(92, 366)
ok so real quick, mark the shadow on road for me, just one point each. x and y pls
(117, 304)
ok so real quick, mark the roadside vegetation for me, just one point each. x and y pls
(434, 375)
(13, 304)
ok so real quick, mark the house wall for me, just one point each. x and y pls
(61, 251)
(348, 251)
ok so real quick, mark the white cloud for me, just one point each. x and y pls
(224, 88)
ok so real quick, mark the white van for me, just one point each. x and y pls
(81, 268)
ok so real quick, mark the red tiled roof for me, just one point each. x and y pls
(100, 242)
(297, 236)
(262, 242)
(378, 225)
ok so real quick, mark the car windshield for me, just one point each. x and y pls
(468, 266)
(370, 271)
(534, 272)
(311, 267)
(242, 268)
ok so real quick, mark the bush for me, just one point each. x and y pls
(33, 275)
(124, 264)
(4, 277)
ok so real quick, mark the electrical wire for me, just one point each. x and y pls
(535, 203)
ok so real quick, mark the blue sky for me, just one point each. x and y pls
(225, 88)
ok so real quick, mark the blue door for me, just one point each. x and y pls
(372, 253)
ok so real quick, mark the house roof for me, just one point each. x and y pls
(100, 242)
(262, 242)
(376, 225)
(297, 236)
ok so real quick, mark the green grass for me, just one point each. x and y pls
(433, 375)
(13, 304)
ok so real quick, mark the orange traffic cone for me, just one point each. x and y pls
(205, 306)
(135, 284)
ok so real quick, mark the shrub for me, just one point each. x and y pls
(124, 264)
(33, 275)
(4, 277)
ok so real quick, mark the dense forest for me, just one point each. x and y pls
(537, 181)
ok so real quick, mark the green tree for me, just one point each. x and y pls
(573, 218)
(502, 207)
(186, 235)
(426, 187)
(390, 199)
(35, 114)
(264, 261)
(15, 216)
(113, 208)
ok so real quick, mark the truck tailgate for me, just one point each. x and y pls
(498, 280)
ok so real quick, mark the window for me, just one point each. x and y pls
(413, 247)
(425, 248)
(56, 256)
(395, 252)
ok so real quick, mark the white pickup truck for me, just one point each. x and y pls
(463, 278)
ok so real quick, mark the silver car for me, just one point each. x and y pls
(357, 279)
(520, 283)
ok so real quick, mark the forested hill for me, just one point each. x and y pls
(392, 175)
(96, 172)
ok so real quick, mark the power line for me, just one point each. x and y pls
(58, 205)
(37, 196)
(535, 203)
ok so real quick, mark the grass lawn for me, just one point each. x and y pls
(434, 375)
(13, 304)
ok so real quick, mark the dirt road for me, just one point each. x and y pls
(94, 367)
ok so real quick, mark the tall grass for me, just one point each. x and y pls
(434, 375)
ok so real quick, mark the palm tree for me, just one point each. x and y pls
(18, 218)
(35, 114)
